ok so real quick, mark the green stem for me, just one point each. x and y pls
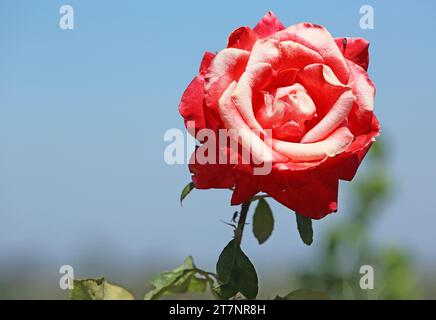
(206, 273)
(241, 222)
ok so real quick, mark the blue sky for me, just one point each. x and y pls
(83, 113)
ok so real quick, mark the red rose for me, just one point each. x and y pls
(309, 90)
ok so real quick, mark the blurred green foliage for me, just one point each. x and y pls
(347, 245)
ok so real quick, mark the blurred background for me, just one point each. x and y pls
(82, 176)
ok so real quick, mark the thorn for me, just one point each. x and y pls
(235, 215)
(229, 224)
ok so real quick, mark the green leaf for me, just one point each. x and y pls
(225, 291)
(186, 190)
(179, 280)
(87, 289)
(182, 284)
(304, 225)
(263, 221)
(188, 264)
(189, 283)
(98, 289)
(303, 294)
(163, 282)
(236, 273)
(197, 284)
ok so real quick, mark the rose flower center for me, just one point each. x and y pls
(285, 111)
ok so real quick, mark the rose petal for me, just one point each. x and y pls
(361, 115)
(206, 176)
(268, 25)
(265, 51)
(317, 38)
(349, 161)
(346, 163)
(337, 114)
(302, 106)
(336, 143)
(348, 167)
(254, 78)
(355, 50)
(313, 194)
(323, 86)
(295, 55)
(242, 38)
(297, 166)
(290, 131)
(227, 66)
(232, 119)
(206, 61)
(245, 186)
(284, 78)
(191, 104)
